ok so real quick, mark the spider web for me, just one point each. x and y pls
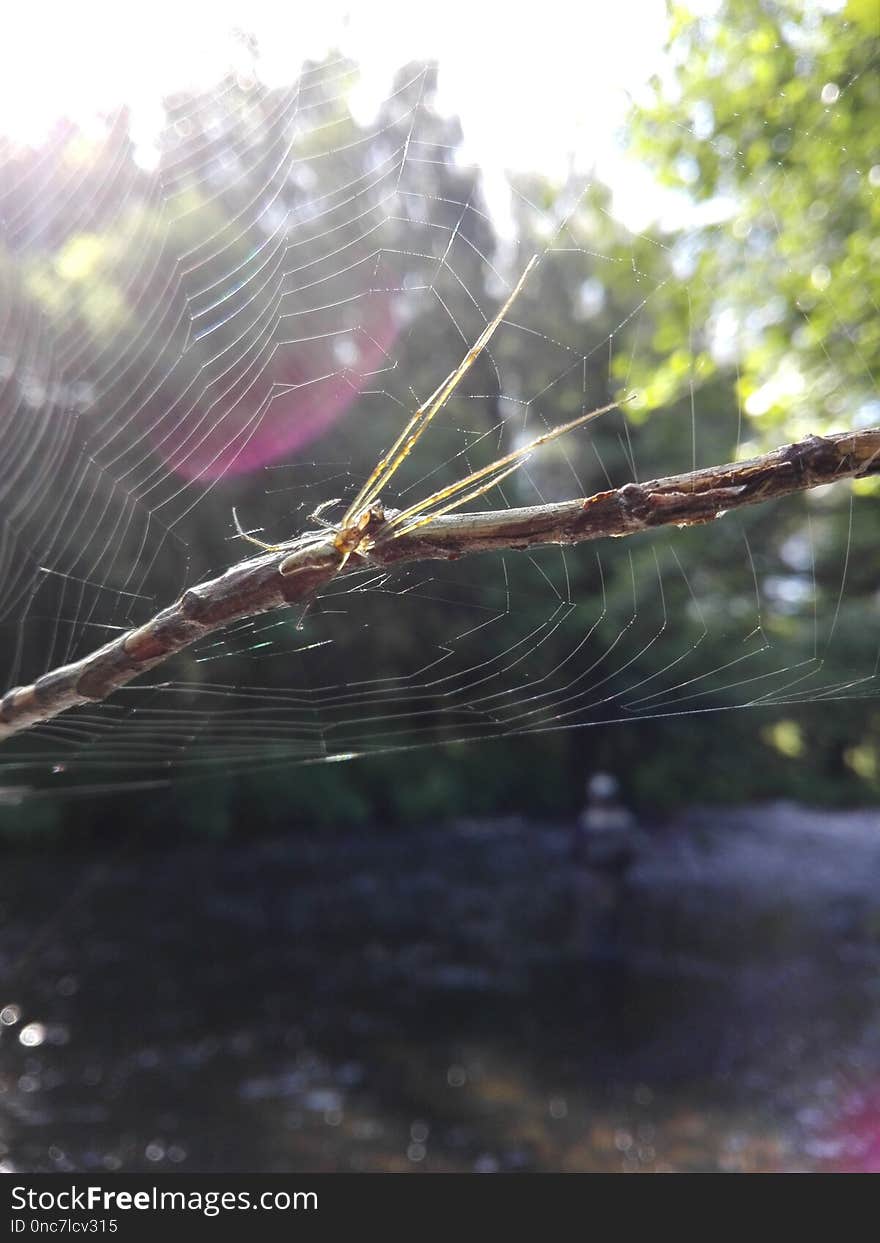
(249, 323)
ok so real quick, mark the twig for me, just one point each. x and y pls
(299, 569)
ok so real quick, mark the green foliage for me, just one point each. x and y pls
(768, 119)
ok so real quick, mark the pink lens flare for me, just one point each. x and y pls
(281, 408)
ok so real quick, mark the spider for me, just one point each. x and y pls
(354, 533)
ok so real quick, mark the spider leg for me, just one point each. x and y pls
(409, 437)
(251, 539)
(480, 481)
(486, 486)
(315, 515)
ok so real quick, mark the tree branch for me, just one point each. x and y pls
(302, 567)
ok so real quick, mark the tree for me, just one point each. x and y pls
(767, 122)
(764, 128)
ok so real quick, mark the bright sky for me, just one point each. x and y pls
(536, 88)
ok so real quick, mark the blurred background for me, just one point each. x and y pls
(559, 860)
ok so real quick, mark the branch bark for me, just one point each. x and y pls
(295, 573)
